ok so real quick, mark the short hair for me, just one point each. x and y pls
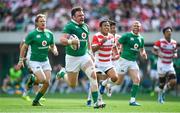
(75, 9)
(103, 21)
(39, 16)
(166, 28)
(112, 23)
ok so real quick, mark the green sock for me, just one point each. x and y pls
(38, 96)
(134, 90)
(95, 96)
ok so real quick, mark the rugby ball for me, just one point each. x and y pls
(75, 47)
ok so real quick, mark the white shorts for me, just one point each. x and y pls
(115, 63)
(163, 69)
(74, 64)
(27, 63)
(39, 66)
(154, 74)
(124, 65)
(103, 68)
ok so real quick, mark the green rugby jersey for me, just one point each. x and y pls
(131, 45)
(39, 42)
(82, 32)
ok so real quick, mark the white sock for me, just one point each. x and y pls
(89, 93)
(133, 99)
(105, 82)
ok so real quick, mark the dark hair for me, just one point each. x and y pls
(166, 28)
(112, 23)
(103, 21)
(75, 9)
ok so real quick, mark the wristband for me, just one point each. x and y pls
(21, 59)
(69, 41)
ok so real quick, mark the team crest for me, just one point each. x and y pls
(38, 36)
(135, 46)
(83, 35)
(44, 43)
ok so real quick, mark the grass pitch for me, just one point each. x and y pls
(76, 103)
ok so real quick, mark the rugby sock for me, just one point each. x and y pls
(134, 91)
(89, 92)
(166, 87)
(38, 96)
(105, 82)
(95, 96)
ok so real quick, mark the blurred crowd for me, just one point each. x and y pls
(18, 15)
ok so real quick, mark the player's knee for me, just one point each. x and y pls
(173, 82)
(114, 78)
(136, 80)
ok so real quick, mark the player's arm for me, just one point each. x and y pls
(22, 55)
(66, 40)
(143, 53)
(155, 49)
(96, 44)
(54, 50)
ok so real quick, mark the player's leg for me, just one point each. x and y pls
(89, 95)
(162, 82)
(112, 78)
(170, 84)
(89, 69)
(134, 74)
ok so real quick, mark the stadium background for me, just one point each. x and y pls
(17, 16)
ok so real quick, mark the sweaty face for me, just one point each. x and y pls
(41, 24)
(79, 17)
(136, 27)
(105, 28)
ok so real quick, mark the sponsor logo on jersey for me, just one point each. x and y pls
(132, 39)
(38, 36)
(44, 43)
(83, 35)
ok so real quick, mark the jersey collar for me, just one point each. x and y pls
(75, 22)
(135, 34)
(39, 30)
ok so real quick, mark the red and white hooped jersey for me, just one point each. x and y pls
(104, 53)
(166, 49)
(116, 48)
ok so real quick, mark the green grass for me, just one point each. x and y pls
(75, 103)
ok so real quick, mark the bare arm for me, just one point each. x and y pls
(54, 50)
(22, 55)
(96, 47)
(64, 40)
(143, 53)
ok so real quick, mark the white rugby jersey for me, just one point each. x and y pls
(116, 48)
(104, 54)
(166, 49)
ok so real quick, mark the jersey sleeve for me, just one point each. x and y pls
(142, 42)
(123, 38)
(29, 39)
(67, 29)
(156, 45)
(95, 41)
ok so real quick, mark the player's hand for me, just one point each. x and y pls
(55, 52)
(144, 55)
(159, 55)
(75, 41)
(104, 40)
(20, 64)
